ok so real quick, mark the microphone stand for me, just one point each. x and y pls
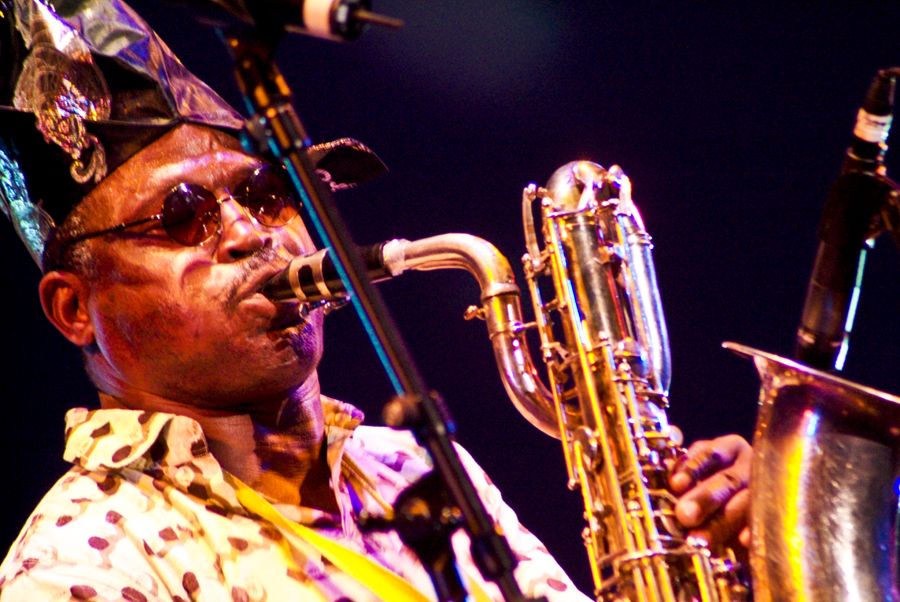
(444, 499)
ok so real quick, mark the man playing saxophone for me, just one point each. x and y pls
(215, 469)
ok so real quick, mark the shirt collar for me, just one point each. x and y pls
(172, 449)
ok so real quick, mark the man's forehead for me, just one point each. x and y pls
(179, 150)
(191, 153)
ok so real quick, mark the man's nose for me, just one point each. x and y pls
(241, 234)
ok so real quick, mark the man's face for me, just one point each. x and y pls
(187, 323)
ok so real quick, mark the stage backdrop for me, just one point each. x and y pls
(730, 119)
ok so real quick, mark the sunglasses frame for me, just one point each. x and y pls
(240, 199)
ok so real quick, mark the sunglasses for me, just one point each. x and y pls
(191, 215)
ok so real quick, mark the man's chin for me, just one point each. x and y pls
(302, 340)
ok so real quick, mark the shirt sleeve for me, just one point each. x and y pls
(537, 572)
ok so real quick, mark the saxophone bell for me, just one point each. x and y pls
(826, 459)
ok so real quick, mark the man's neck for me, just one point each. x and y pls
(278, 450)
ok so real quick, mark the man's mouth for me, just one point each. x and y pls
(256, 281)
(255, 272)
(287, 314)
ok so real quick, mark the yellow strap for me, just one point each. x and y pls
(379, 580)
(328, 547)
(477, 592)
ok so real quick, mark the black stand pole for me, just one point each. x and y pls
(279, 134)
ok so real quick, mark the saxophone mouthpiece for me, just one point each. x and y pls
(313, 278)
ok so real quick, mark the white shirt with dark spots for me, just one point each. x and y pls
(147, 514)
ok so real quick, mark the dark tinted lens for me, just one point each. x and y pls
(269, 196)
(190, 214)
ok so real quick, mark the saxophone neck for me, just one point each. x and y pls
(500, 308)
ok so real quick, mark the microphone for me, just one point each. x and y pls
(845, 232)
(329, 19)
(313, 278)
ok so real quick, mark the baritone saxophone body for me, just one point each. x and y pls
(609, 370)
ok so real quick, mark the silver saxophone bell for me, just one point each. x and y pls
(823, 489)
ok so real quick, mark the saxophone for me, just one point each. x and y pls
(609, 376)
(607, 364)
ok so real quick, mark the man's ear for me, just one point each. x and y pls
(64, 298)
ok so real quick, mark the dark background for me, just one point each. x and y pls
(730, 119)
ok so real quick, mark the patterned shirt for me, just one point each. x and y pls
(148, 514)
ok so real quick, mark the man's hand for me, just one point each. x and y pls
(711, 481)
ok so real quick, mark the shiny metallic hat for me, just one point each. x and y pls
(84, 86)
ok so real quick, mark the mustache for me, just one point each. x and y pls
(251, 264)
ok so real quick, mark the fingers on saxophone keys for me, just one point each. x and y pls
(728, 526)
(711, 496)
(704, 458)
